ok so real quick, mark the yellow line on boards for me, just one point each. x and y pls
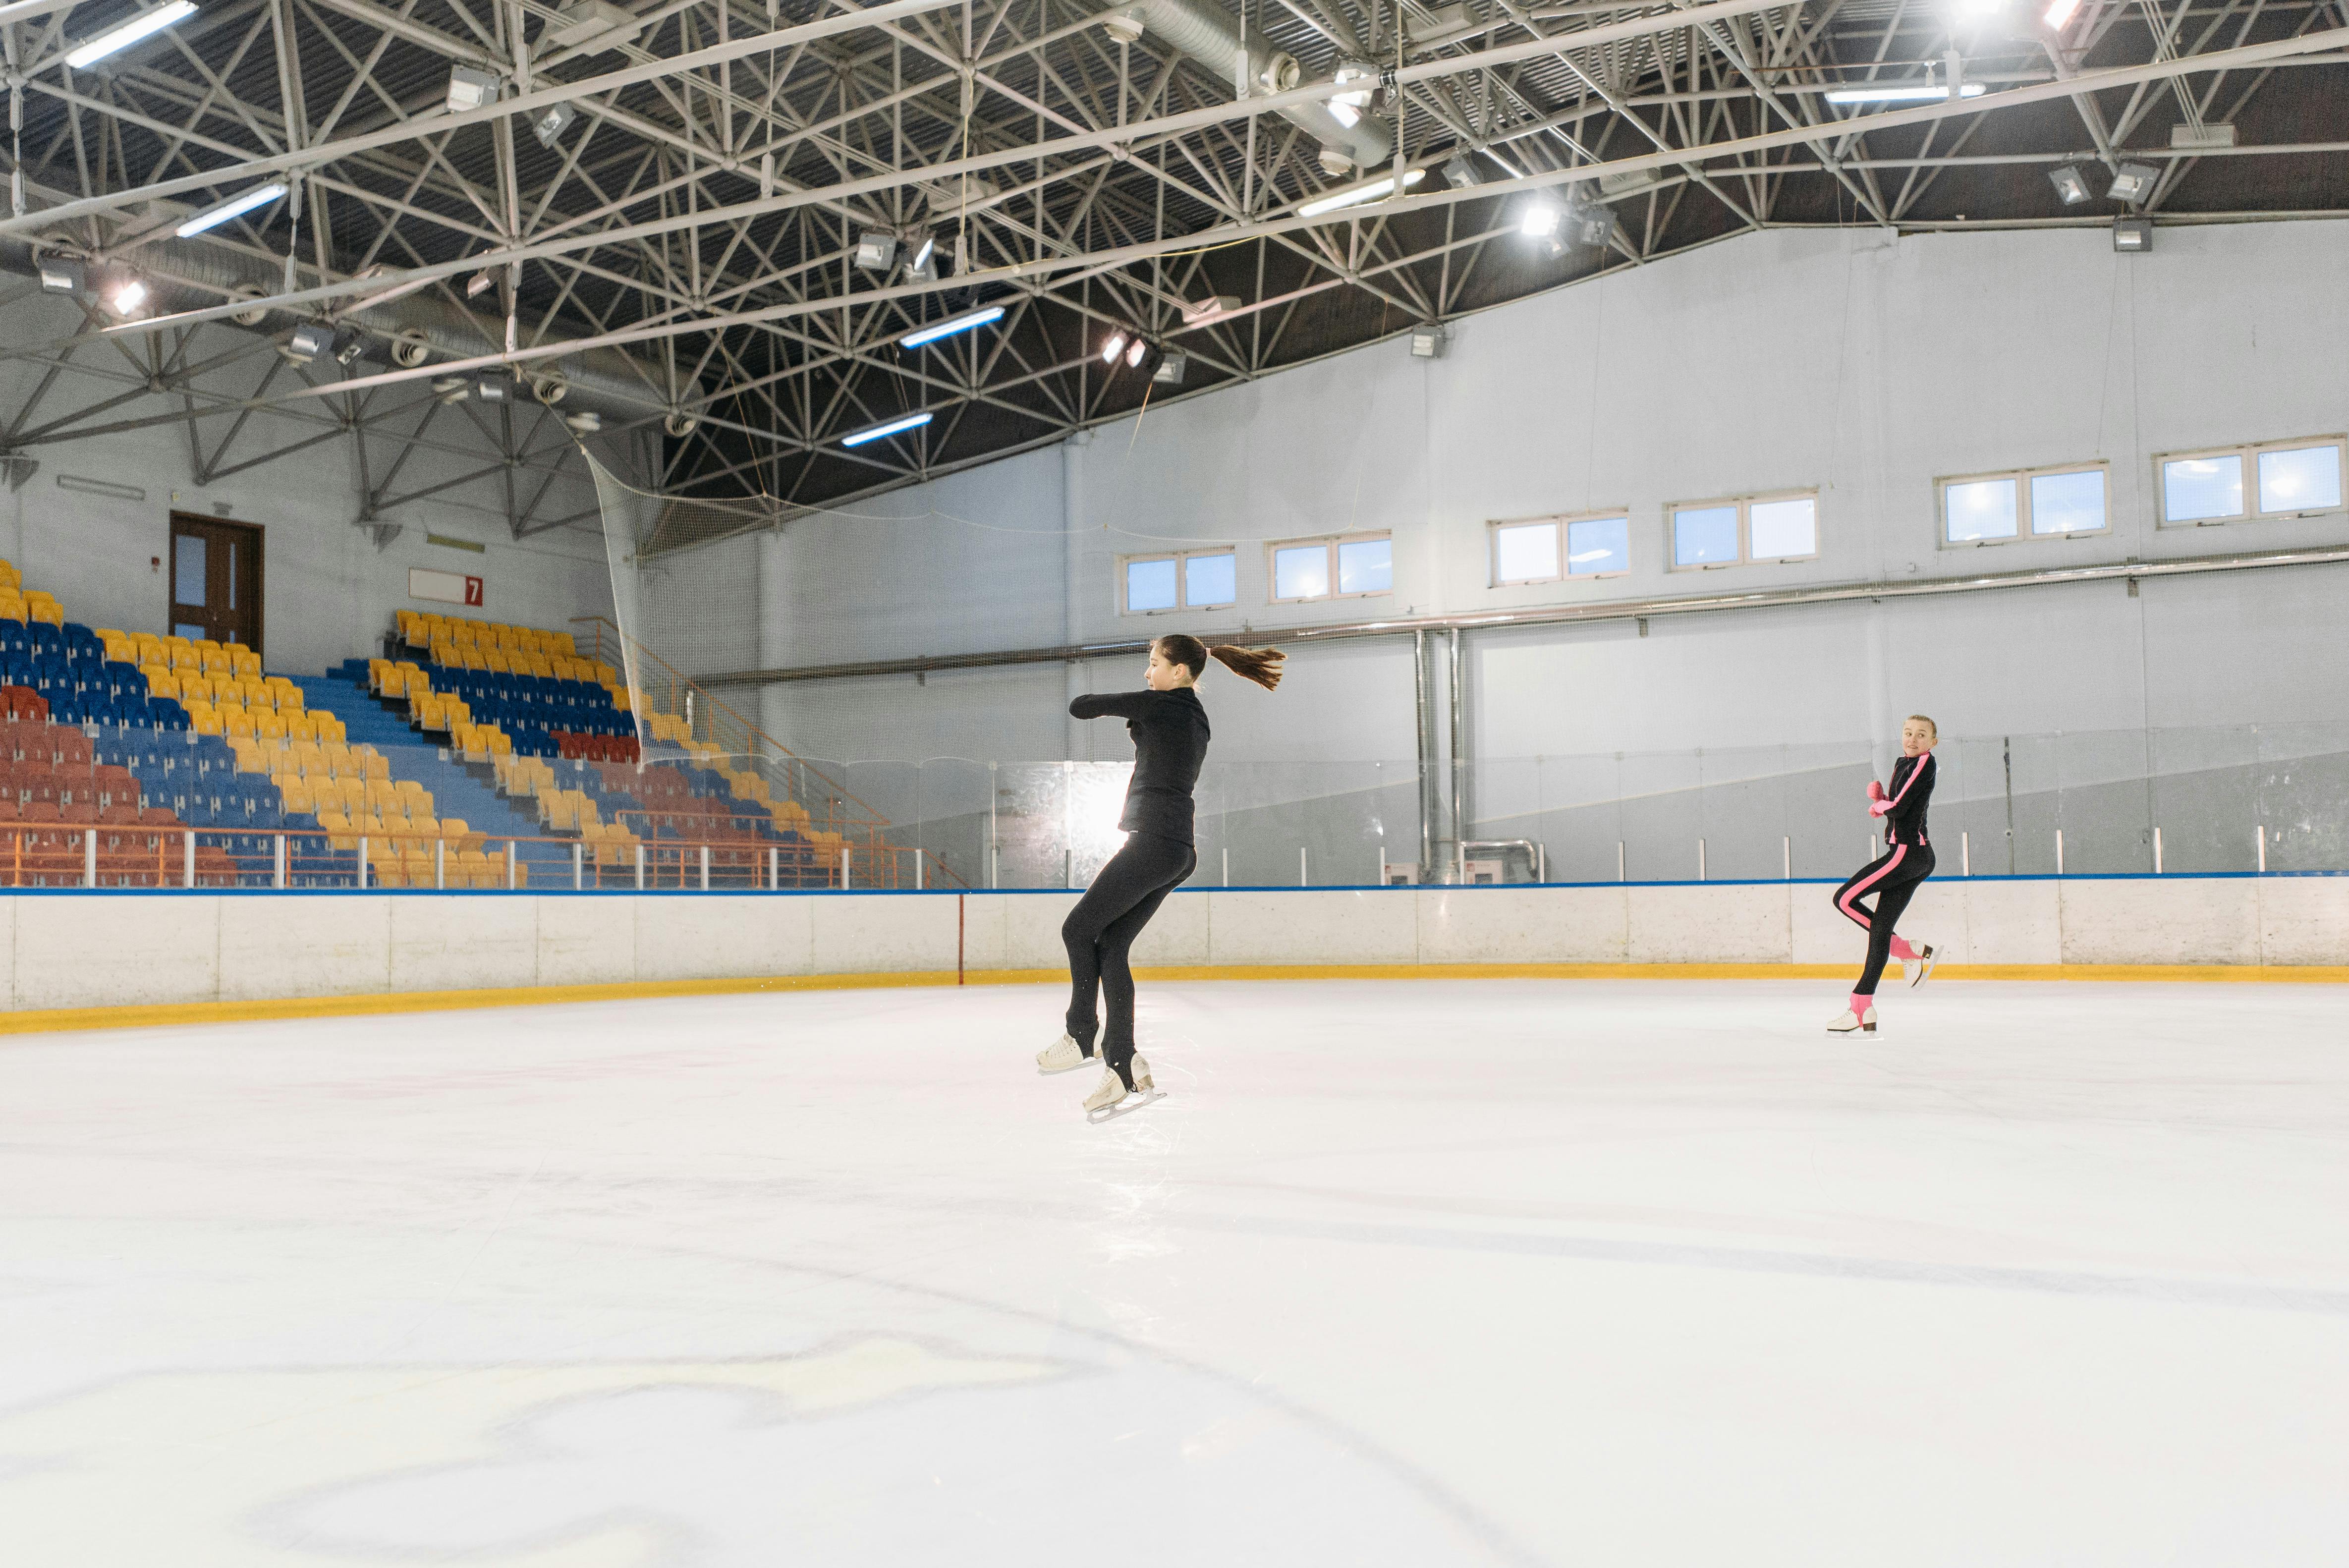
(261, 1010)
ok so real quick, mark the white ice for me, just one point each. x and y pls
(1413, 1272)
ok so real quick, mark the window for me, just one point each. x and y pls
(1190, 580)
(1706, 534)
(1344, 568)
(1528, 551)
(2272, 479)
(2037, 503)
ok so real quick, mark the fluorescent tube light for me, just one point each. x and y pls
(1902, 93)
(235, 207)
(952, 325)
(874, 432)
(130, 33)
(1358, 194)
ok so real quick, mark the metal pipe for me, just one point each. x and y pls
(1423, 737)
(1564, 614)
(1459, 813)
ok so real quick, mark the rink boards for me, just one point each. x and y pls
(395, 950)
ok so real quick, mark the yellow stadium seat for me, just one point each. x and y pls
(557, 810)
(214, 660)
(10, 577)
(372, 763)
(243, 661)
(235, 721)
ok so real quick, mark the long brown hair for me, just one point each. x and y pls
(1261, 665)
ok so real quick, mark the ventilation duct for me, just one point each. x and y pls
(408, 331)
(1208, 34)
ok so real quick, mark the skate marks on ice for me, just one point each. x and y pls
(874, 1451)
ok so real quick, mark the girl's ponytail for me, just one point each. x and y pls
(1261, 665)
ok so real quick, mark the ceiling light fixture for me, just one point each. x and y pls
(1135, 352)
(891, 427)
(1912, 94)
(1539, 217)
(469, 88)
(550, 125)
(130, 33)
(925, 246)
(59, 275)
(1348, 107)
(2133, 234)
(130, 299)
(235, 207)
(1171, 370)
(1115, 346)
(952, 325)
(2060, 12)
(310, 339)
(1360, 194)
(1460, 170)
(2071, 182)
(876, 250)
(2132, 182)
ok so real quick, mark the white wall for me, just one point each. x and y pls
(330, 595)
(61, 949)
(1861, 363)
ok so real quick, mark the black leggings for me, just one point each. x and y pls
(1892, 877)
(1100, 933)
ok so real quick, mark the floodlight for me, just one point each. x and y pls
(586, 422)
(889, 427)
(925, 248)
(452, 389)
(550, 125)
(1428, 342)
(59, 275)
(470, 86)
(1911, 93)
(876, 250)
(310, 339)
(1539, 217)
(2058, 12)
(479, 284)
(130, 33)
(1460, 170)
(952, 325)
(1171, 370)
(128, 298)
(235, 207)
(348, 353)
(1135, 352)
(2133, 183)
(493, 390)
(1115, 346)
(2133, 234)
(1592, 225)
(1358, 194)
(2071, 182)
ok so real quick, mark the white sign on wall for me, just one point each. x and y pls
(444, 587)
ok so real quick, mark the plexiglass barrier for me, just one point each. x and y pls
(163, 808)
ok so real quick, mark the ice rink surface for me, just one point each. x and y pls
(1414, 1272)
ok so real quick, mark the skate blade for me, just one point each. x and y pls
(1924, 973)
(1132, 1102)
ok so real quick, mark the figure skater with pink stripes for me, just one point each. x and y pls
(1893, 876)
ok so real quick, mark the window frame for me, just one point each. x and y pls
(2022, 533)
(1182, 558)
(1744, 505)
(1563, 521)
(2247, 453)
(1330, 541)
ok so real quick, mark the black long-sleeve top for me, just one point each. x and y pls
(1170, 742)
(1911, 788)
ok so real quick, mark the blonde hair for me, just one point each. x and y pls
(1927, 723)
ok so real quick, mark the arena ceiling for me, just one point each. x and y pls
(682, 245)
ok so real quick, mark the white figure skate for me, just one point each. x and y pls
(1063, 1055)
(1848, 1022)
(1921, 966)
(1110, 1099)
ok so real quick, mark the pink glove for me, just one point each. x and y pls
(1875, 790)
(1880, 808)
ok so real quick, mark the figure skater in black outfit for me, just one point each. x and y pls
(1893, 876)
(1170, 742)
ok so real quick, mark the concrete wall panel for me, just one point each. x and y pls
(306, 946)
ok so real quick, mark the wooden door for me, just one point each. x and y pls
(215, 580)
